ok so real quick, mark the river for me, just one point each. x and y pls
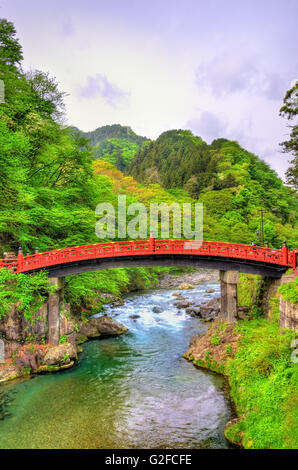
(131, 391)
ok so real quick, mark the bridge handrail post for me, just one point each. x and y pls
(152, 243)
(295, 259)
(20, 258)
(285, 253)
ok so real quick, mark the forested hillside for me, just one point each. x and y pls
(233, 184)
(115, 144)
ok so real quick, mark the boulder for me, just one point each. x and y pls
(157, 309)
(134, 317)
(10, 372)
(29, 359)
(195, 311)
(208, 313)
(210, 291)
(107, 326)
(88, 329)
(56, 354)
(185, 285)
(213, 304)
(183, 304)
(118, 302)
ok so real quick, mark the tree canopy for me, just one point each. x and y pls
(290, 111)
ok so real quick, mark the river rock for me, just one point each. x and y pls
(29, 359)
(107, 326)
(210, 291)
(213, 303)
(56, 354)
(208, 313)
(185, 285)
(10, 372)
(134, 317)
(102, 326)
(88, 329)
(194, 311)
(210, 310)
(118, 302)
(183, 304)
(157, 309)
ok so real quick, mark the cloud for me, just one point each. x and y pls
(99, 86)
(208, 126)
(226, 75)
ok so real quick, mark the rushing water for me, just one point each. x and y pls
(132, 391)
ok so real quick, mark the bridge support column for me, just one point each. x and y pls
(54, 302)
(229, 299)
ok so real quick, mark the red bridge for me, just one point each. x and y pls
(222, 256)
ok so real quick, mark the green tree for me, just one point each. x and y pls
(290, 111)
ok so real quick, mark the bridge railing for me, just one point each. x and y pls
(150, 247)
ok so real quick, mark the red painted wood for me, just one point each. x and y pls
(281, 257)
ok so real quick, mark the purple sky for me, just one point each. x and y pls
(217, 67)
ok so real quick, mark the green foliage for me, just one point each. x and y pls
(65, 357)
(63, 339)
(232, 183)
(172, 160)
(115, 144)
(215, 340)
(28, 292)
(264, 386)
(249, 289)
(289, 291)
(290, 111)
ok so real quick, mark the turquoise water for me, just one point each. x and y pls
(132, 391)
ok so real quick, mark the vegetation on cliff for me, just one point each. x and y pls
(255, 355)
(27, 292)
(264, 386)
(289, 291)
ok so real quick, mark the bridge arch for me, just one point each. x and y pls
(228, 258)
(215, 255)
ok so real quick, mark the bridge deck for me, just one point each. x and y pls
(238, 254)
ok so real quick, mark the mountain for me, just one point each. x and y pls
(233, 184)
(173, 160)
(115, 144)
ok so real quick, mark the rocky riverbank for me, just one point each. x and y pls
(173, 281)
(30, 359)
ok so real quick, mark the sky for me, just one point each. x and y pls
(219, 67)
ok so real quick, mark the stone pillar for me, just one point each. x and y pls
(288, 314)
(229, 300)
(54, 303)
